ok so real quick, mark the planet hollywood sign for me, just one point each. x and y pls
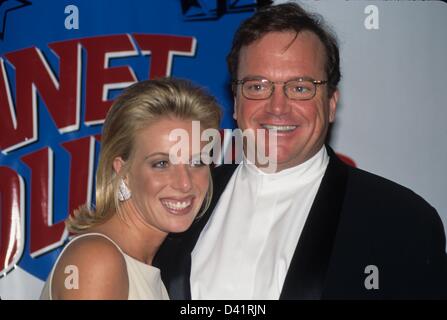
(61, 94)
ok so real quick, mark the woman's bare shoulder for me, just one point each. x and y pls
(91, 267)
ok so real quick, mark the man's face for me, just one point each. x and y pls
(278, 57)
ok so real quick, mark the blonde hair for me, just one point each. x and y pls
(136, 108)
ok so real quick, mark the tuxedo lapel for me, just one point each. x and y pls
(307, 271)
(306, 275)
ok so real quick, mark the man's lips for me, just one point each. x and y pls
(283, 128)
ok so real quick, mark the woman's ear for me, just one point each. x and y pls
(118, 164)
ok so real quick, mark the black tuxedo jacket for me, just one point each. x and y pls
(357, 220)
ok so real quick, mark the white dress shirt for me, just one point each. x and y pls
(246, 247)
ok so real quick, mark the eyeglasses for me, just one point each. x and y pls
(296, 89)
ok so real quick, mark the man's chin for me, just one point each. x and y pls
(284, 161)
(281, 154)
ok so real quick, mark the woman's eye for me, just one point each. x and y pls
(197, 162)
(160, 164)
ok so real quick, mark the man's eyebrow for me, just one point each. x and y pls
(302, 77)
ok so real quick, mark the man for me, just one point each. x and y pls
(316, 228)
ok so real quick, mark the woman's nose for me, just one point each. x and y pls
(182, 178)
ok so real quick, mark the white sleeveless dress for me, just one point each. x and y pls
(144, 280)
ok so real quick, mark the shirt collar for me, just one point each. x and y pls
(309, 168)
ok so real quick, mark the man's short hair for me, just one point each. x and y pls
(283, 18)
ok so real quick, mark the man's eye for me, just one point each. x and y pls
(255, 87)
(160, 164)
(300, 89)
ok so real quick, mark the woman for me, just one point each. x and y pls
(141, 195)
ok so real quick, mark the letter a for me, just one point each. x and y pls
(72, 280)
(72, 20)
(372, 20)
(179, 153)
(372, 280)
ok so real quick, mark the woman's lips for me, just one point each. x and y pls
(178, 206)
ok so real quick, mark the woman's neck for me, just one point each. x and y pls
(135, 237)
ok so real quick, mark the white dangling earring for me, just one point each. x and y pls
(123, 191)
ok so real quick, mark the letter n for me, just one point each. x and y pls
(34, 75)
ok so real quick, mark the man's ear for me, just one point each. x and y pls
(333, 105)
(118, 164)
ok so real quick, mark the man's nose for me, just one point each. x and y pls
(182, 180)
(278, 103)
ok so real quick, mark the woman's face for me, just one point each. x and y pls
(166, 194)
